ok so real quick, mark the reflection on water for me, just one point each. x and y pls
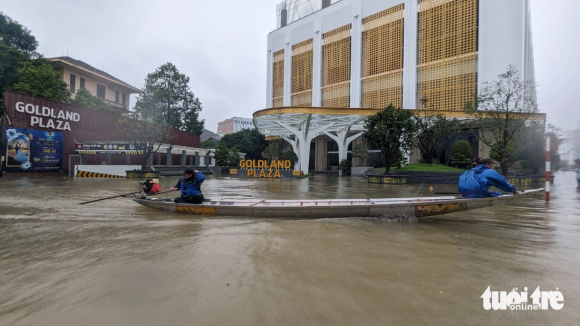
(114, 262)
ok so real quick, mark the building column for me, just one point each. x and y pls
(317, 66)
(127, 159)
(183, 157)
(108, 158)
(169, 160)
(288, 71)
(410, 54)
(158, 158)
(197, 163)
(302, 138)
(355, 57)
(342, 139)
(150, 160)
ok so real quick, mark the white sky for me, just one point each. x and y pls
(221, 46)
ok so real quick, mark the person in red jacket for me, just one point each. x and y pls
(152, 186)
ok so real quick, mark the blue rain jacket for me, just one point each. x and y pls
(190, 186)
(475, 183)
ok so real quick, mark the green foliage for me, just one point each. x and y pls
(17, 46)
(38, 78)
(290, 156)
(501, 111)
(461, 153)
(85, 99)
(222, 153)
(423, 167)
(433, 129)
(510, 154)
(208, 143)
(234, 156)
(166, 98)
(393, 131)
(345, 165)
(248, 141)
(272, 151)
(14, 35)
(144, 135)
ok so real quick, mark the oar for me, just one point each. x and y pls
(123, 195)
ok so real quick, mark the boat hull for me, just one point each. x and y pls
(334, 208)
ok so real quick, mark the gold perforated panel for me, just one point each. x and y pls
(336, 68)
(382, 59)
(302, 73)
(278, 79)
(447, 70)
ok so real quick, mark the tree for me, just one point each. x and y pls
(167, 99)
(234, 156)
(38, 78)
(17, 46)
(501, 110)
(144, 135)
(86, 100)
(432, 130)
(272, 151)
(248, 141)
(289, 155)
(393, 131)
(222, 153)
(461, 153)
(208, 144)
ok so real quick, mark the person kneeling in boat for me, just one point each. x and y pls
(151, 186)
(190, 186)
(475, 183)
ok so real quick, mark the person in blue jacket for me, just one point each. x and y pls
(475, 183)
(190, 186)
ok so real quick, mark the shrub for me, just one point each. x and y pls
(461, 153)
(345, 165)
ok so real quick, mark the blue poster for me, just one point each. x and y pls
(33, 150)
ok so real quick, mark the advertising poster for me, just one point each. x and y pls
(32, 150)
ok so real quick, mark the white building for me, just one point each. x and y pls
(234, 124)
(332, 63)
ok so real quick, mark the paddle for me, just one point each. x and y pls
(123, 195)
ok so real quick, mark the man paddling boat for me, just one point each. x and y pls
(190, 186)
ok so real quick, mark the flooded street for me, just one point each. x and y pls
(115, 262)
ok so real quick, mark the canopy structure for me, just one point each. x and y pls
(299, 125)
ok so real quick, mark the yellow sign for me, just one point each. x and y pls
(263, 164)
(264, 174)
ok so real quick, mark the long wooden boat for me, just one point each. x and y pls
(329, 208)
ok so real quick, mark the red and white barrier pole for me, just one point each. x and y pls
(548, 169)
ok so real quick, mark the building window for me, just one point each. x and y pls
(116, 96)
(72, 83)
(124, 98)
(82, 82)
(101, 91)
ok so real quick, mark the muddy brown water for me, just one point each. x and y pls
(117, 263)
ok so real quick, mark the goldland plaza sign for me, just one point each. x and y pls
(45, 117)
(264, 169)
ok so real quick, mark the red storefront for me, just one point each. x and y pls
(77, 126)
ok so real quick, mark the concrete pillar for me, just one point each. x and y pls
(127, 159)
(207, 159)
(108, 158)
(150, 159)
(410, 55)
(197, 163)
(342, 139)
(158, 158)
(287, 101)
(169, 158)
(355, 57)
(183, 157)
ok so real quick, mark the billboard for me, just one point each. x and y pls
(32, 150)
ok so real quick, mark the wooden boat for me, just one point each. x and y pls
(331, 208)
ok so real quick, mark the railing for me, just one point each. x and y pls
(115, 104)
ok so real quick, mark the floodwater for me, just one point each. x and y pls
(114, 262)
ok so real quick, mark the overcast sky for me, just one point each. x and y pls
(221, 46)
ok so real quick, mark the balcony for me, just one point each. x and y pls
(115, 104)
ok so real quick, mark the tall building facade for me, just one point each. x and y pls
(345, 57)
(235, 124)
